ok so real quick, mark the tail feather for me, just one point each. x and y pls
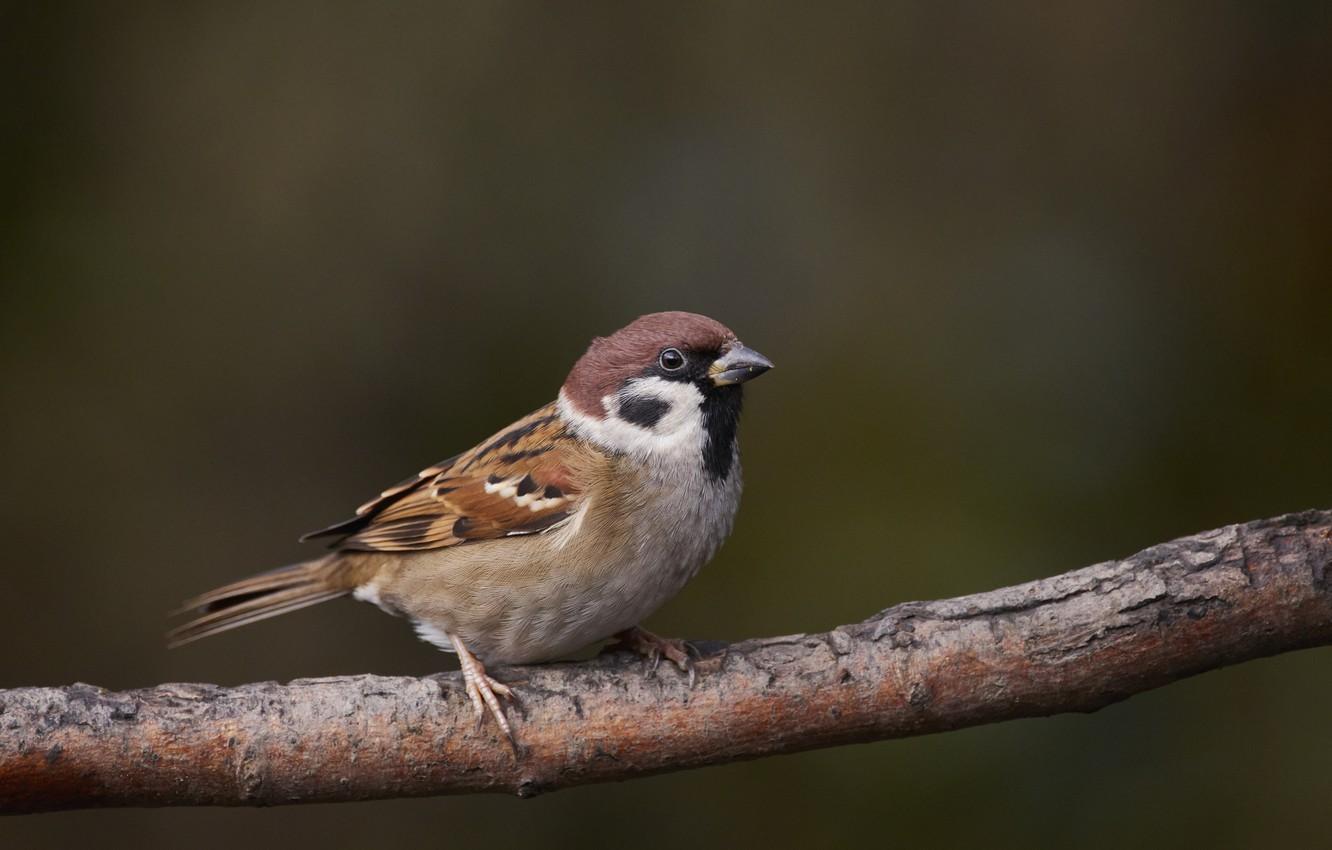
(265, 582)
(260, 597)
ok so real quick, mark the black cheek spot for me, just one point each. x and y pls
(643, 412)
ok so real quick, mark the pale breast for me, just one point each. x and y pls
(638, 539)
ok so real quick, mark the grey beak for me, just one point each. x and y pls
(738, 365)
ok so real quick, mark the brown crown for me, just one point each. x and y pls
(612, 360)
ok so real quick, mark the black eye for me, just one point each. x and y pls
(671, 359)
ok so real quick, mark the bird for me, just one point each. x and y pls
(568, 527)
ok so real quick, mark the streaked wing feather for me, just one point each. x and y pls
(516, 482)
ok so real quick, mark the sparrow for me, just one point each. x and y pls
(567, 527)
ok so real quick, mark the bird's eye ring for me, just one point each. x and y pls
(671, 359)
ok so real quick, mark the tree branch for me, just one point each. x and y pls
(1074, 642)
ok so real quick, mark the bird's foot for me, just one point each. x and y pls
(654, 647)
(485, 692)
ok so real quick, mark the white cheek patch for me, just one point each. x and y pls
(682, 402)
(677, 434)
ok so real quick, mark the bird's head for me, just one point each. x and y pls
(664, 384)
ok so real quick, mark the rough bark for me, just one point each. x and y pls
(1074, 642)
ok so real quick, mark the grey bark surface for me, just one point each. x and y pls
(1074, 642)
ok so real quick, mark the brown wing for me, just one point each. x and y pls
(520, 481)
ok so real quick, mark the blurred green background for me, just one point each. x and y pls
(1044, 286)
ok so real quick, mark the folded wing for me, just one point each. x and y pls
(522, 480)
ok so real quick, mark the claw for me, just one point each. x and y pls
(681, 653)
(484, 692)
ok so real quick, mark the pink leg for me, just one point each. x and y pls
(484, 692)
(655, 647)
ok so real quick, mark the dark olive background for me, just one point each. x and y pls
(1044, 286)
